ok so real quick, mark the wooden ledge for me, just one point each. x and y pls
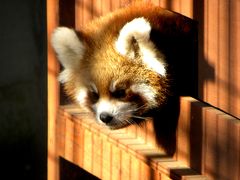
(129, 153)
(207, 145)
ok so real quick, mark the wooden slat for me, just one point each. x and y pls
(234, 56)
(186, 7)
(97, 155)
(69, 137)
(219, 38)
(222, 146)
(208, 140)
(77, 146)
(116, 163)
(106, 7)
(120, 151)
(223, 55)
(88, 150)
(106, 163)
(79, 14)
(53, 90)
(219, 82)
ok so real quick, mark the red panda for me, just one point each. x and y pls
(114, 66)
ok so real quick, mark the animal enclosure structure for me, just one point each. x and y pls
(207, 142)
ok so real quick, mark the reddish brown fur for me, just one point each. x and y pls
(102, 63)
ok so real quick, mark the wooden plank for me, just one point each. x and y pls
(97, 155)
(116, 163)
(106, 6)
(175, 5)
(69, 138)
(134, 168)
(106, 162)
(115, 4)
(144, 171)
(141, 132)
(211, 149)
(223, 148)
(88, 153)
(234, 56)
(218, 65)
(221, 155)
(132, 130)
(228, 132)
(60, 133)
(183, 143)
(97, 8)
(197, 132)
(186, 7)
(155, 2)
(78, 148)
(150, 133)
(87, 11)
(131, 153)
(125, 165)
(223, 56)
(164, 4)
(234, 148)
(208, 140)
(53, 91)
(212, 53)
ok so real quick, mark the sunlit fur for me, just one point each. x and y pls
(139, 29)
(112, 67)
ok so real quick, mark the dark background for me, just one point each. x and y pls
(23, 89)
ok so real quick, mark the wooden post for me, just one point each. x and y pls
(53, 91)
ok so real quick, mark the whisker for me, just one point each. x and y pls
(136, 109)
(141, 107)
(139, 117)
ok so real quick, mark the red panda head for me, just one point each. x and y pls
(116, 72)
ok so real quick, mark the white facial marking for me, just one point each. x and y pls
(150, 59)
(102, 106)
(112, 86)
(140, 29)
(93, 87)
(147, 92)
(82, 96)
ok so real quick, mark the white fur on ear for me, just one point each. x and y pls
(139, 29)
(68, 47)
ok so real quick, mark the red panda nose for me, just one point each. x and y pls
(106, 117)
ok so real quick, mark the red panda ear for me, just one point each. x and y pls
(68, 46)
(139, 29)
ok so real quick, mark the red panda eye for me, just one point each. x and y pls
(94, 96)
(119, 93)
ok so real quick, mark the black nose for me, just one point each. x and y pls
(106, 117)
